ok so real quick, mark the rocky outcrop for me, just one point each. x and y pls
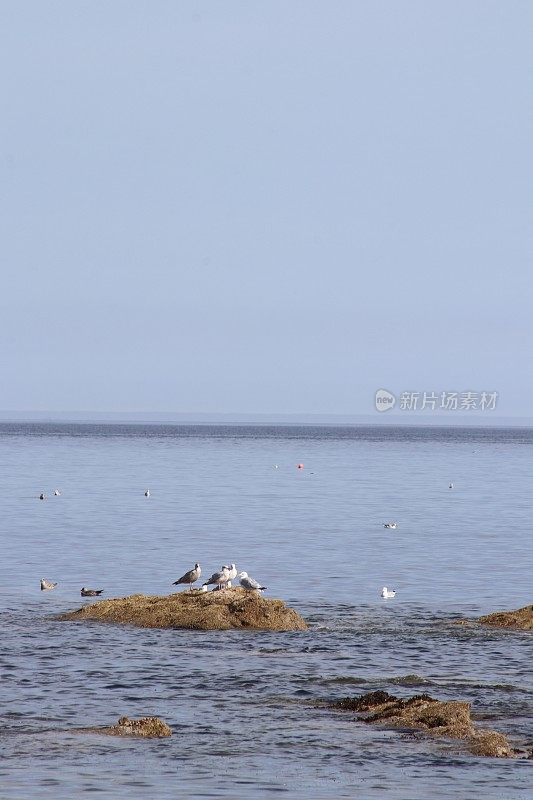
(223, 610)
(450, 719)
(147, 727)
(521, 619)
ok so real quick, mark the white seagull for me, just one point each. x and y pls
(392, 525)
(249, 583)
(47, 584)
(190, 577)
(220, 579)
(57, 493)
(450, 486)
(147, 493)
(387, 593)
(232, 570)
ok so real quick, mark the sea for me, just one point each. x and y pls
(248, 709)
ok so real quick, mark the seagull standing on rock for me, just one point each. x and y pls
(232, 572)
(220, 579)
(249, 583)
(190, 577)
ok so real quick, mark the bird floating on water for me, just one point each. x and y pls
(57, 493)
(90, 592)
(47, 584)
(392, 525)
(190, 577)
(249, 583)
(42, 496)
(388, 593)
(220, 578)
(147, 493)
(450, 486)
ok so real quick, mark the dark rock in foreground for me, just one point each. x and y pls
(521, 619)
(449, 719)
(229, 608)
(148, 727)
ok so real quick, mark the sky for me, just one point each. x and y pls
(264, 207)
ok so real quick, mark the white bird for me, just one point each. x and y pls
(392, 525)
(220, 579)
(190, 577)
(450, 486)
(249, 583)
(47, 584)
(387, 593)
(232, 571)
(147, 493)
(57, 493)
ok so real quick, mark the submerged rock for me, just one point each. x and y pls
(229, 608)
(148, 727)
(521, 619)
(437, 718)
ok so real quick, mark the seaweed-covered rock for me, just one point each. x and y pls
(521, 619)
(223, 610)
(437, 718)
(147, 727)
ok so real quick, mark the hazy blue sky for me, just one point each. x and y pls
(272, 206)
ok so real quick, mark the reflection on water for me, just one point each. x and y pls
(243, 705)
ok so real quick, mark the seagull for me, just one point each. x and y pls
(190, 577)
(232, 570)
(450, 486)
(392, 525)
(219, 578)
(57, 493)
(47, 584)
(90, 592)
(387, 593)
(249, 583)
(42, 496)
(147, 493)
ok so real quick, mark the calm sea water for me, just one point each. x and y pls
(242, 705)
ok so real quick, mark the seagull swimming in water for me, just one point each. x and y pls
(220, 579)
(450, 486)
(392, 525)
(190, 577)
(42, 496)
(249, 583)
(387, 593)
(57, 493)
(47, 584)
(90, 592)
(147, 493)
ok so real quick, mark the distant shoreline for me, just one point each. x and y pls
(262, 420)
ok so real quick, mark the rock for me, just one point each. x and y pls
(230, 608)
(148, 727)
(521, 619)
(437, 718)
(490, 743)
